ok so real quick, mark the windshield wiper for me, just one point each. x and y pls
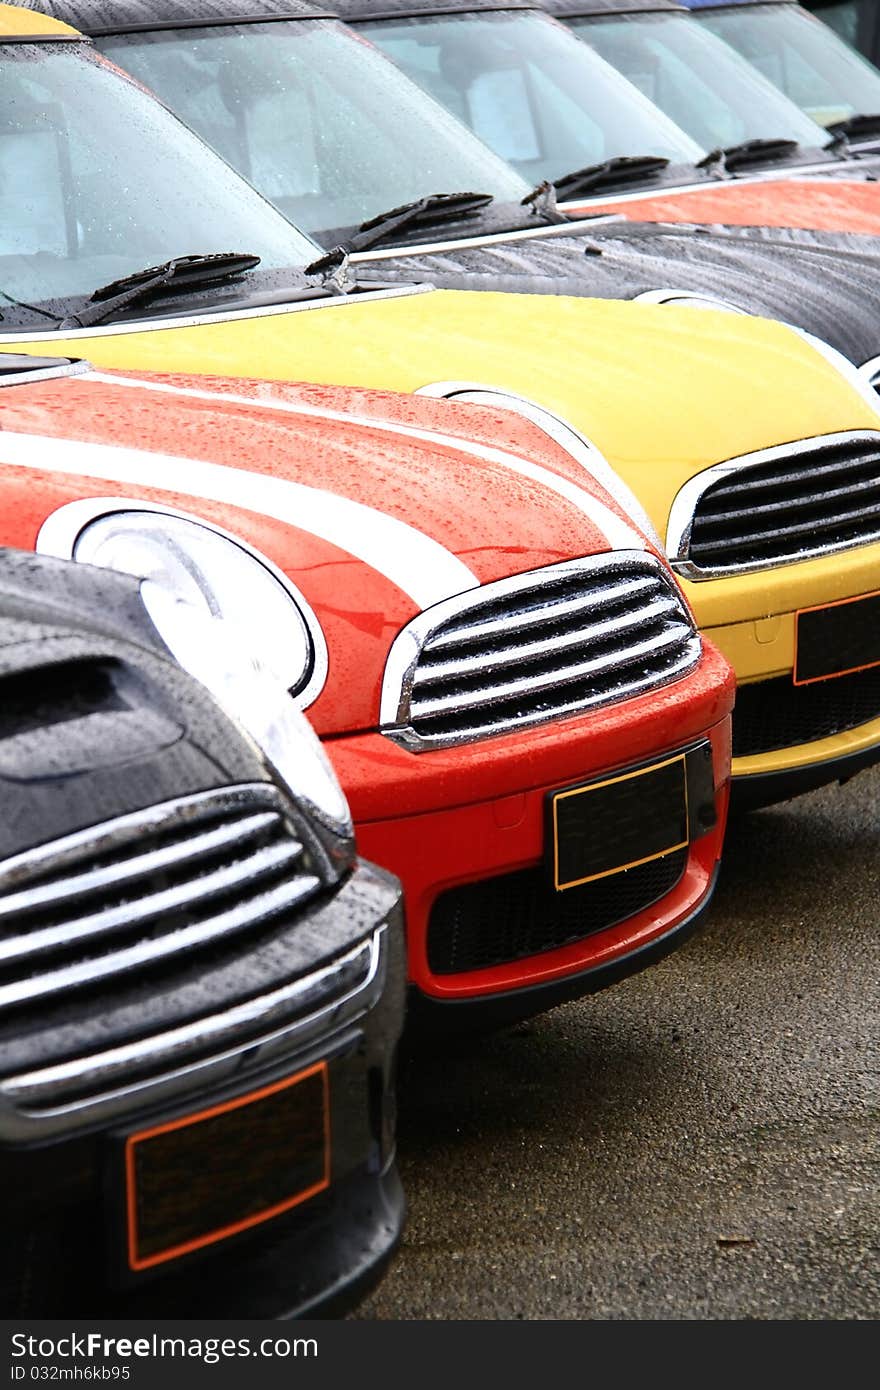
(747, 152)
(181, 273)
(863, 123)
(434, 207)
(622, 169)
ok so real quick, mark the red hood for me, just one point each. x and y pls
(375, 505)
(819, 204)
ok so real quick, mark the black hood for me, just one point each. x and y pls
(96, 719)
(827, 283)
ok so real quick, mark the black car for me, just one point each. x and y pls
(378, 167)
(726, 100)
(856, 21)
(200, 988)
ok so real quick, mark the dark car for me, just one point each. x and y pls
(856, 21)
(365, 173)
(200, 988)
(804, 59)
(701, 82)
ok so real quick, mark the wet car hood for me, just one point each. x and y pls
(96, 719)
(828, 284)
(375, 507)
(841, 199)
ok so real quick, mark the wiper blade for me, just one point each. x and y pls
(434, 207)
(183, 272)
(863, 123)
(623, 168)
(747, 152)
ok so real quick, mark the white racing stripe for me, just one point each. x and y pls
(618, 534)
(418, 565)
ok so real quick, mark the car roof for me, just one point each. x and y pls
(403, 9)
(584, 7)
(119, 16)
(17, 22)
(730, 4)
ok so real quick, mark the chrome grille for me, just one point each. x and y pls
(537, 647)
(777, 506)
(145, 890)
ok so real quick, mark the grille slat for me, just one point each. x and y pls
(547, 647)
(169, 884)
(549, 611)
(549, 680)
(537, 647)
(132, 915)
(77, 886)
(813, 498)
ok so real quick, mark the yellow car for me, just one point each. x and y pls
(755, 453)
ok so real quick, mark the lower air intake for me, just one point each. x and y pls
(517, 915)
(778, 714)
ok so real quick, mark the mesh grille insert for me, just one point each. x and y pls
(779, 714)
(516, 915)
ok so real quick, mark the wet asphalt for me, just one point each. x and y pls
(701, 1141)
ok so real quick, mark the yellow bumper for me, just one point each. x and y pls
(758, 638)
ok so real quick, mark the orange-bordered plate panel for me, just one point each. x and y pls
(837, 639)
(202, 1178)
(608, 826)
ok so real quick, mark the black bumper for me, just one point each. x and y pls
(63, 1248)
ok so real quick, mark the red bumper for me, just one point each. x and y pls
(463, 815)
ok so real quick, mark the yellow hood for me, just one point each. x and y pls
(663, 392)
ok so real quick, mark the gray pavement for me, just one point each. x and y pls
(701, 1141)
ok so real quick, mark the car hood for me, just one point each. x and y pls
(663, 392)
(838, 202)
(375, 507)
(826, 283)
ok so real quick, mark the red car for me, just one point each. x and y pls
(529, 728)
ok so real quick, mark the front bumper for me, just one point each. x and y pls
(752, 619)
(63, 1252)
(474, 814)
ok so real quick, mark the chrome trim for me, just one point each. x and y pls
(266, 311)
(818, 172)
(684, 506)
(44, 1103)
(61, 530)
(577, 445)
(79, 368)
(404, 664)
(108, 958)
(577, 227)
(687, 297)
(871, 372)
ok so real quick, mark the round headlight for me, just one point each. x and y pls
(246, 690)
(213, 573)
(230, 618)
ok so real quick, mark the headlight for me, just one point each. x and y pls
(213, 573)
(229, 618)
(204, 646)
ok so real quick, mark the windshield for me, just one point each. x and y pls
(98, 180)
(530, 90)
(706, 87)
(320, 121)
(803, 57)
